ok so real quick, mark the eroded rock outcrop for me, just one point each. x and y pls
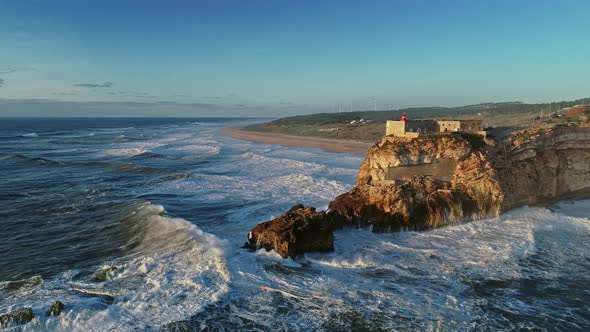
(469, 190)
(529, 166)
(462, 177)
(55, 309)
(297, 231)
(16, 317)
(541, 164)
(103, 274)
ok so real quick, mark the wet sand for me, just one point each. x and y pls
(327, 144)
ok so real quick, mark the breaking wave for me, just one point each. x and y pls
(171, 272)
(81, 232)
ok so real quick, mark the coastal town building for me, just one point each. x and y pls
(415, 128)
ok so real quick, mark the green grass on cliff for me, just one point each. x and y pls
(337, 125)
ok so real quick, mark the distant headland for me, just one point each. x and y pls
(432, 173)
(355, 132)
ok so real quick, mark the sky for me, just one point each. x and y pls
(271, 58)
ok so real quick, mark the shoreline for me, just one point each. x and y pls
(326, 144)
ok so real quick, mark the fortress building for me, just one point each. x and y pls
(415, 128)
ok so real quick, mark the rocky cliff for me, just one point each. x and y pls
(542, 164)
(527, 167)
(434, 180)
(297, 231)
(470, 189)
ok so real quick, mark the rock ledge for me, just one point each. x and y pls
(297, 231)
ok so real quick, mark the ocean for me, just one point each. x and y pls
(137, 224)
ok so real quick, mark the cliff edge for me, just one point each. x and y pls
(436, 180)
(543, 164)
(420, 183)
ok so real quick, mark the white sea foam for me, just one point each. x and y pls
(131, 149)
(69, 135)
(423, 275)
(401, 281)
(198, 149)
(291, 164)
(30, 135)
(317, 165)
(125, 152)
(172, 274)
(285, 189)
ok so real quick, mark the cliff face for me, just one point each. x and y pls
(401, 151)
(527, 167)
(470, 189)
(438, 180)
(544, 163)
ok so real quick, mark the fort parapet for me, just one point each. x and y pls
(415, 128)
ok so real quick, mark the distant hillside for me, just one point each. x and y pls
(509, 108)
(338, 125)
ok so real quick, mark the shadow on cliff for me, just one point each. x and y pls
(490, 176)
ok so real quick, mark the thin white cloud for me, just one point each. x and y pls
(94, 85)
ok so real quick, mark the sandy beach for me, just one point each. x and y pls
(327, 144)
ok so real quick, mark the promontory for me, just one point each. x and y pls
(425, 174)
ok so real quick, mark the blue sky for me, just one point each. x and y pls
(279, 57)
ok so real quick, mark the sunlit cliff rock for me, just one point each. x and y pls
(436, 180)
(389, 197)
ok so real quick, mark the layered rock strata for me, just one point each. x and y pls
(462, 177)
(542, 164)
(471, 190)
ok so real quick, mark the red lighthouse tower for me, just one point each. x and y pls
(403, 116)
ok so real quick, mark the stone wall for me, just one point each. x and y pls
(395, 128)
(421, 126)
(471, 126)
(414, 128)
(449, 126)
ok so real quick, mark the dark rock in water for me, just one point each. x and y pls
(297, 231)
(12, 286)
(108, 299)
(55, 310)
(16, 317)
(103, 274)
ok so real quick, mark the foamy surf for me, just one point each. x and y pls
(425, 280)
(131, 149)
(174, 272)
(80, 234)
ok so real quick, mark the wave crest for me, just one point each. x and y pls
(172, 271)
